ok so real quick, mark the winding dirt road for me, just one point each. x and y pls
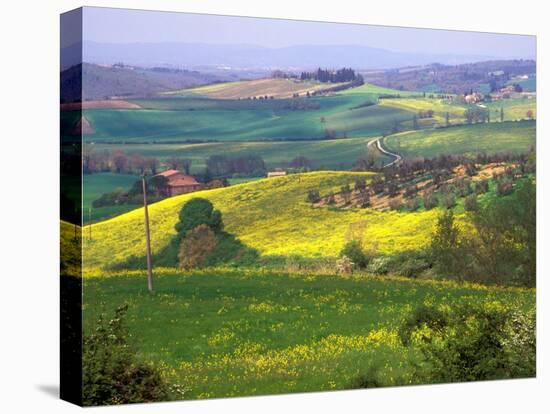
(378, 142)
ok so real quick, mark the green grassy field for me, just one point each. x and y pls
(176, 120)
(468, 139)
(94, 185)
(220, 333)
(439, 106)
(378, 90)
(326, 154)
(514, 109)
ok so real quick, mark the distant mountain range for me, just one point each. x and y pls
(247, 57)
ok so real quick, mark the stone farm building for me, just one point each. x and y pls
(179, 183)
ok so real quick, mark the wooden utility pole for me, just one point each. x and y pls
(147, 236)
(90, 221)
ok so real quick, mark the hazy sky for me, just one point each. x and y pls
(129, 26)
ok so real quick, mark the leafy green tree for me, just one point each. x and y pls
(354, 251)
(471, 343)
(112, 374)
(448, 249)
(198, 211)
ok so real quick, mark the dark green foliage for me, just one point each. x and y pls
(363, 198)
(482, 186)
(470, 203)
(448, 200)
(112, 374)
(353, 251)
(231, 251)
(475, 114)
(412, 264)
(472, 342)
(428, 316)
(504, 187)
(360, 184)
(429, 200)
(345, 192)
(502, 247)
(313, 196)
(505, 246)
(198, 211)
(447, 248)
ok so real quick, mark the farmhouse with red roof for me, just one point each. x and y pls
(179, 183)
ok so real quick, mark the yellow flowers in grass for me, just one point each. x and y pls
(270, 215)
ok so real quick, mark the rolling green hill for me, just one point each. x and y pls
(466, 139)
(278, 88)
(270, 215)
(324, 154)
(378, 90)
(332, 116)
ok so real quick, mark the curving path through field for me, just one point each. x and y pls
(378, 142)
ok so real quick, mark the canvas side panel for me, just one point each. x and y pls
(71, 207)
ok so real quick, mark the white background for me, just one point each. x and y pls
(29, 191)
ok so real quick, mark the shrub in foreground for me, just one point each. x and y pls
(112, 374)
(354, 251)
(472, 342)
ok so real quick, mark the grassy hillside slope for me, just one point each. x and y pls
(378, 90)
(235, 332)
(468, 139)
(342, 115)
(270, 215)
(278, 88)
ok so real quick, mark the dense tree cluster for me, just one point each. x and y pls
(332, 76)
(476, 114)
(117, 161)
(220, 166)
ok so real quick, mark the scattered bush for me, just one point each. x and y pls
(379, 265)
(482, 186)
(394, 204)
(504, 187)
(196, 246)
(412, 265)
(354, 251)
(411, 191)
(360, 184)
(448, 200)
(413, 204)
(472, 342)
(112, 374)
(364, 199)
(344, 265)
(429, 199)
(313, 196)
(470, 203)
